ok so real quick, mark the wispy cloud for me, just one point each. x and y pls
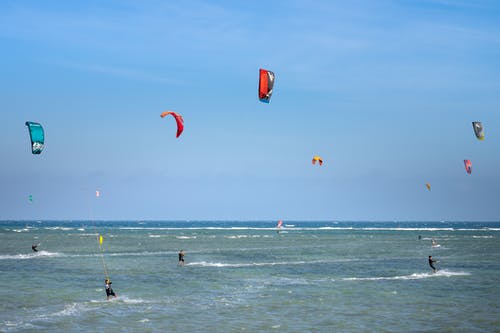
(123, 72)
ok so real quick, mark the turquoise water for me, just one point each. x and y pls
(245, 277)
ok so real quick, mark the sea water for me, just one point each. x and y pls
(247, 277)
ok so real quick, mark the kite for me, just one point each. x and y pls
(428, 186)
(468, 166)
(478, 130)
(178, 119)
(266, 83)
(318, 159)
(37, 137)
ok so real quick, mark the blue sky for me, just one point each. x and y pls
(384, 91)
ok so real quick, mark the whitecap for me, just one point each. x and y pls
(253, 264)
(59, 228)
(69, 309)
(10, 323)
(21, 230)
(125, 299)
(414, 276)
(34, 255)
(118, 299)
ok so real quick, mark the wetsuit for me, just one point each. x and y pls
(431, 263)
(181, 257)
(109, 290)
(33, 247)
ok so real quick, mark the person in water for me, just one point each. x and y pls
(181, 258)
(109, 290)
(34, 247)
(431, 263)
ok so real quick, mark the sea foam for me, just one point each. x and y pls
(414, 276)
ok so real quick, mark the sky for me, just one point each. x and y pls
(384, 91)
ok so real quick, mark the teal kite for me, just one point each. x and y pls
(37, 137)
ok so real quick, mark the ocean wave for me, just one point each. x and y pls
(46, 254)
(256, 264)
(414, 276)
(185, 237)
(34, 255)
(59, 228)
(85, 234)
(70, 309)
(315, 228)
(127, 300)
(120, 299)
(144, 253)
(21, 230)
(79, 307)
(244, 236)
(483, 237)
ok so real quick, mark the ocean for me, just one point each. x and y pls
(246, 277)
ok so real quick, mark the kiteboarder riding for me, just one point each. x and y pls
(431, 263)
(181, 258)
(109, 290)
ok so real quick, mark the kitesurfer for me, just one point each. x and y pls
(34, 247)
(181, 258)
(109, 290)
(431, 263)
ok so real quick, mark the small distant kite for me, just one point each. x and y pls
(318, 159)
(178, 119)
(37, 137)
(468, 166)
(428, 186)
(266, 84)
(478, 130)
(97, 194)
(30, 198)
